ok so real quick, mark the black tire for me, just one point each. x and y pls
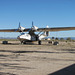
(23, 42)
(39, 42)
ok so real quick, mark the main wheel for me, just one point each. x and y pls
(39, 42)
(24, 42)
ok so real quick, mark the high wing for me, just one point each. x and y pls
(39, 29)
(13, 30)
(56, 29)
(8, 30)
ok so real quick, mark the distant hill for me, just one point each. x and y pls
(73, 38)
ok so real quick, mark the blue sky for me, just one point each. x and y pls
(54, 13)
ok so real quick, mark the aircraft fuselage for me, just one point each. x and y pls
(30, 38)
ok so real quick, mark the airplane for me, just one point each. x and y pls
(32, 36)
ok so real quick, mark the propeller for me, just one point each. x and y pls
(31, 27)
(20, 28)
(32, 24)
(34, 27)
(19, 25)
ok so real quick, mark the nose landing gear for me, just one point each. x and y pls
(23, 42)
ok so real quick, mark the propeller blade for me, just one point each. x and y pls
(19, 24)
(32, 24)
(18, 27)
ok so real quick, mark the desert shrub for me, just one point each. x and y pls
(69, 39)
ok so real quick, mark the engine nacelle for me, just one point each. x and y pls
(34, 28)
(47, 33)
(21, 28)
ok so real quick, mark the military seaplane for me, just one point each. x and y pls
(32, 36)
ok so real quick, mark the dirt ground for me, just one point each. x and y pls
(45, 59)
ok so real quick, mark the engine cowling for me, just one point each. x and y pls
(47, 32)
(21, 28)
(34, 28)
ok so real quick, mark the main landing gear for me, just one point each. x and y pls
(24, 42)
(39, 42)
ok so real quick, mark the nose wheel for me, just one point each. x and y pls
(23, 42)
